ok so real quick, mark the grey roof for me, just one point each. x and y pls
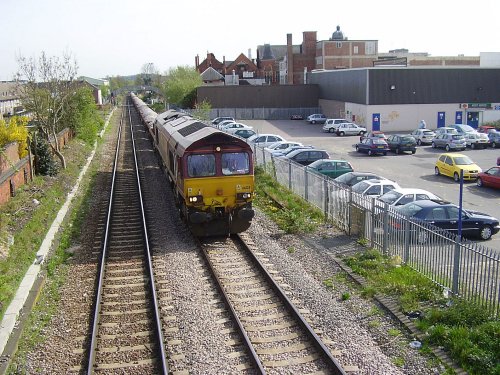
(210, 74)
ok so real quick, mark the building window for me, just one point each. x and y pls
(355, 50)
(370, 48)
(339, 44)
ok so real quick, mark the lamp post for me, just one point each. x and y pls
(456, 256)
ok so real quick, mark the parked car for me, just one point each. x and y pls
(449, 141)
(331, 124)
(375, 188)
(282, 145)
(445, 215)
(316, 118)
(463, 128)
(373, 134)
(348, 128)
(402, 143)
(476, 140)
(401, 196)
(264, 140)
(352, 178)
(223, 123)
(498, 160)
(485, 128)
(494, 137)
(372, 146)
(296, 117)
(330, 168)
(307, 156)
(244, 133)
(218, 120)
(446, 129)
(451, 164)
(490, 177)
(423, 136)
(232, 127)
(277, 153)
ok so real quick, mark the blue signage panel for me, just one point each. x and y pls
(458, 117)
(441, 119)
(376, 121)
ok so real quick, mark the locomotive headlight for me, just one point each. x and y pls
(196, 199)
(243, 196)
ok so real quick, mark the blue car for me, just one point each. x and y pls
(372, 146)
(494, 138)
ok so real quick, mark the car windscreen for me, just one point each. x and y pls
(409, 209)
(463, 160)
(360, 187)
(390, 197)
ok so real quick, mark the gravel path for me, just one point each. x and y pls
(199, 340)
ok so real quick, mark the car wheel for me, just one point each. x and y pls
(472, 146)
(493, 144)
(384, 153)
(413, 152)
(419, 142)
(485, 232)
(341, 134)
(331, 130)
(357, 149)
(456, 177)
(397, 151)
(479, 182)
(313, 122)
(370, 153)
(436, 171)
(433, 145)
(447, 148)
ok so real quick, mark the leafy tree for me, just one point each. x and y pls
(82, 115)
(104, 91)
(44, 163)
(45, 87)
(202, 111)
(180, 83)
(15, 130)
(117, 82)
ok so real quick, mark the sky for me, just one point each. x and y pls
(118, 37)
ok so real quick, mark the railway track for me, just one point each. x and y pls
(126, 333)
(277, 338)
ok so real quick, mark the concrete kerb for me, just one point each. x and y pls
(30, 286)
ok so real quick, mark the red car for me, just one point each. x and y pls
(490, 178)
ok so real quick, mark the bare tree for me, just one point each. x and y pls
(45, 87)
(149, 72)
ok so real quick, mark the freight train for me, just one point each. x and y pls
(211, 172)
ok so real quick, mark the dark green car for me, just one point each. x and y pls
(330, 168)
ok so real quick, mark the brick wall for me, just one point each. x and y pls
(13, 172)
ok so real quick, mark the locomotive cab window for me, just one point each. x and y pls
(201, 165)
(235, 163)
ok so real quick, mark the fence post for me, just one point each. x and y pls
(406, 253)
(264, 159)
(386, 228)
(372, 222)
(306, 184)
(290, 174)
(456, 266)
(327, 198)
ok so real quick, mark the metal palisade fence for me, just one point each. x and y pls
(465, 268)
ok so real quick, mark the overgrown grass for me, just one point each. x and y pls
(465, 330)
(295, 215)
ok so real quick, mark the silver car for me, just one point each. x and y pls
(449, 141)
(423, 136)
(348, 128)
(476, 140)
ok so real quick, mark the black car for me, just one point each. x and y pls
(401, 143)
(307, 156)
(444, 215)
(296, 117)
(352, 178)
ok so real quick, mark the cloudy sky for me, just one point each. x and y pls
(117, 37)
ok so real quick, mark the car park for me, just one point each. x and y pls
(489, 178)
(306, 156)
(449, 141)
(402, 143)
(445, 215)
(446, 129)
(348, 128)
(218, 120)
(374, 188)
(423, 136)
(452, 165)
(331, 168)
(331, 124)
(316, 118)
(264, 140)
(352, 178)
(401, 196)
(373, 134)
(476, 140)
(244, 133)
(494, 138)
(372, 146)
